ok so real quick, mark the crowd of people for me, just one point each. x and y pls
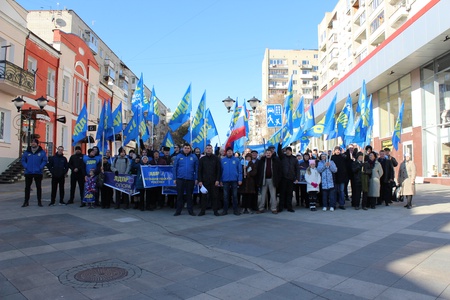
(249, 183)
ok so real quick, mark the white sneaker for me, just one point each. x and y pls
(324, 209)
(331, 208)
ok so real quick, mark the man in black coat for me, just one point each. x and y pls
(341, 177)
(77, 167)
(269, 177)
(58, 166)
(387, 179)
(209, 172)
(290, 171)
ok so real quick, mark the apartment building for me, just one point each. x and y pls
(117, 81)
(401, 48)
(277, 68)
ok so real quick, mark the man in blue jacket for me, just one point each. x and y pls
(34, 160)
(58, 166)
(185, 170)
(231, 178)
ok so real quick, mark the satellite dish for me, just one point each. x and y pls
(60, 22)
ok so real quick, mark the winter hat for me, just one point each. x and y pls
(312, 162)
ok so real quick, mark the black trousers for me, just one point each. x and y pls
(304, 195)
(122, 197)
(145, 199)
(286, 189)
(37, 181)
(156, 197)
(106, 196)
(297, 193)
(210, 197)
(57, 182)
(185, 188)
(385, 193)
(356, 195)
(74, 179)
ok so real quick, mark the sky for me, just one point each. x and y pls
(217, 46)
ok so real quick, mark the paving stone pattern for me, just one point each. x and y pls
(68, 252)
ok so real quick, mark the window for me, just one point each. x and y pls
(379, 20)
(305, 71)
(65, 89)
(390, 99)
(294, 72)
(294, 81)
(305, 62)
(99, 106)
(305, 82)
(51, 83)
(31, 64)
(315, 68)
(78, 95)
(316, 56)
(92, 103)
(294, 62)
(278, 62)
(101, 53)
(2, 125)
(65, 137)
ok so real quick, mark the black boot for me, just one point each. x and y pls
(40, 203)
(25, 203)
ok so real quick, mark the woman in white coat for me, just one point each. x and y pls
(374, 182)
(313, 179)
(406, 179)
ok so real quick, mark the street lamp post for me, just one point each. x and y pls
(228, 102)
(19, 102)
(254, 103)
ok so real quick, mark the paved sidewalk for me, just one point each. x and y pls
(68, 252)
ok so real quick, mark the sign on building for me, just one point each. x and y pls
(274, 115)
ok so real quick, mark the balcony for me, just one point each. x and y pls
(306, 76)
(278, 76)
(398, 17)
(306, 66)
(15, 80)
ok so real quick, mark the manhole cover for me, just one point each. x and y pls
(99, 274)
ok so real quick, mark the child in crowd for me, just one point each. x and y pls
(90, 189)
(313, 179)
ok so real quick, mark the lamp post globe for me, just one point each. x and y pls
(228, 102)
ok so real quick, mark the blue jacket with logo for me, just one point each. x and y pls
(34, 163)
(231, 169)
(91, 162)
(185, 167)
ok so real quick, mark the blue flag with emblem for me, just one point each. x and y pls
(153, 110)
(362, 98)
(309, 120)
(289, 108)
(345, 122)
(199, 116)
(138, 100)
(168, 141)
(182, 112)
(80, 129)
(211, 130)
(131, 132)
(326, 125)
(117, 119)
(396, 136)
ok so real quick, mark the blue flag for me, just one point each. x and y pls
(138, 100)
(396, 136)
(183, 111)
(131, 132)
(366, 120)
(326, 125)
(299, 112)
(309, 119)
(168, 142)
(211, 130)
(345, 120)
(362, 98)
(289, 108)
(101, 123)
(199, 116)
(117, 119)
(153, 110)
(80, 129)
